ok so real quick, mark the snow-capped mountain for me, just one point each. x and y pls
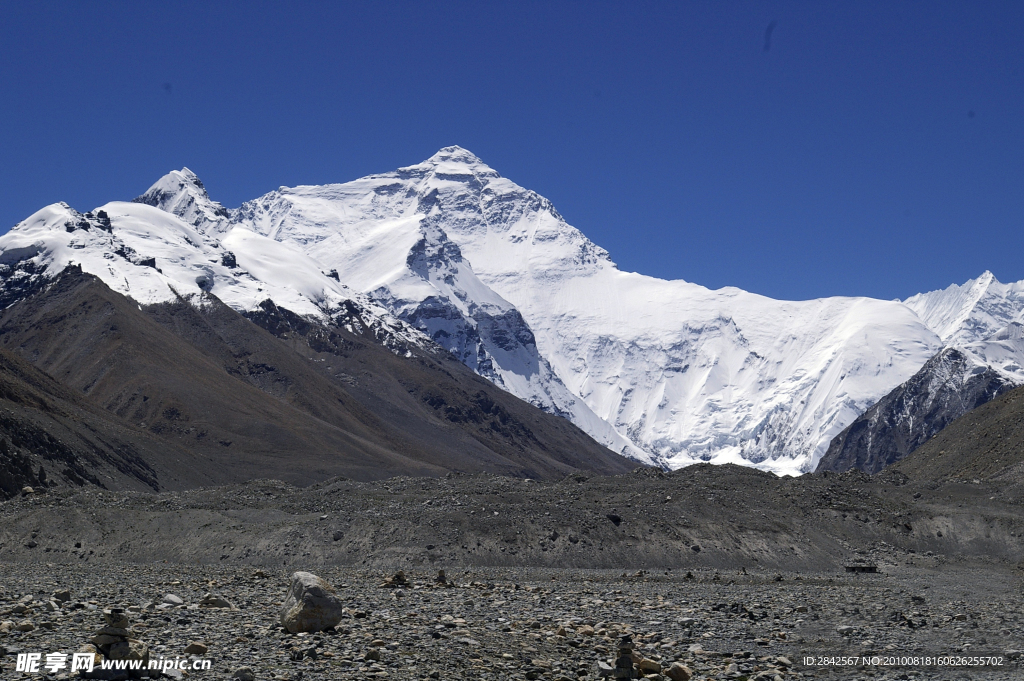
(687, 374)
(983, 357)
(667, 372)
(983, 319)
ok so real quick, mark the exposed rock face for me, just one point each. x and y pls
(311, 605)
(948, 386)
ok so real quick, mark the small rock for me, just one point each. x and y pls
(604, 670)
(679, 672)
(132, 649)
(243, 674)
(171, 599)
(101, 640)
(195, 649)
(845, 630)
(649, 666)
(311, 604)
(62, 596)
(25, 625)
(784, 661)
(115, 617)
(96, 656)
(26, 490)
(211, 601)
(6, 627)
(372, 654)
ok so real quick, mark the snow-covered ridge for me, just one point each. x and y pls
(971, 312)
(667, 372)
(152, 256)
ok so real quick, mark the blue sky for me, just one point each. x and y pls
(863, 149)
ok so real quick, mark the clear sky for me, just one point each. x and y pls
(792, 149)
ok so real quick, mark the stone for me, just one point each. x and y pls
(26, 490)
(195, 648)
(372, 654)
(311, 604)
(395, 581)
(845, 630)
(132, 649)
(649, 666)
(171, 599)
(6, 627)
(604, 669)
(585, 630)
(211, 601)
(63, 596)
(25, 625)
(97, 657)
(101, 640)
(784, 661)
(114, 631)
(115, 617)
(679, 672)
(243, 674)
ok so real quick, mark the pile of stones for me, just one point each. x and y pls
(113, 642)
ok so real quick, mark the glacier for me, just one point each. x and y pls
(447, 253)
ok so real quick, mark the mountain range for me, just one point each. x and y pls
(447, 263)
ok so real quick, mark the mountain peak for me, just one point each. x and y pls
(182, 193)
(455, 154)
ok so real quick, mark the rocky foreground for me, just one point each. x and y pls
(509, 623)
(716, 572)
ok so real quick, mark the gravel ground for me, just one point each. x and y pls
(551, 624)
(729, 572)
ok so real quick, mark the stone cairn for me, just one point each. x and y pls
(398, 580)
(114, 643)
(624, 668)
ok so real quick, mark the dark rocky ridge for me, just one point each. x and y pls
(943, 390)
(51, 436)
(986, 445)
(303, 403)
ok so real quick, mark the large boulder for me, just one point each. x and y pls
(311, 604)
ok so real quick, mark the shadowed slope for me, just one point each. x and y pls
(51, 436)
